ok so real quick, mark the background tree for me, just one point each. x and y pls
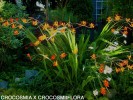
(122, 7)
(81, 8)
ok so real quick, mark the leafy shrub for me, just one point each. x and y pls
(82, 9)
(9, 42)
(11, 10)
(62, 14)
(67, 67)
(98, 62)
(2, 3)
(117, 7)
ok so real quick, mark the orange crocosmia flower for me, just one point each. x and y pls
(127, 19)
(91, 25)
(103, 91)
(45, 26)
(16, 32)
(106, 83)
(53, 57)
(109, 19)
(122, 69)
(125, 62)
(36, 43)
(56, 24)
(101, 69)
(55, 63)
(68, 25)
(93, 56)
(129, 57)
(102, 65)
(125, 32)
(63, 24)
(20, 26)
(112, 30)
(131, 24)
(11, 20)
(121, 64)
(24, 20)
(62, 30)
(1, 19)
(13, 26)
(16, 19)
(34, 23)
(83, 23)
(6, 23)
(130, 66)
(42, 37)
(29, 56)
(125, 28)
(73, 30)
(117, 17)
(117, 70)
(63, 55)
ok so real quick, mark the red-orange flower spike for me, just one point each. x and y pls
(11, 20)
(125, 62)
(34, 23)
(16, 32)
(117, 70)
(53, 57)
(93, 56)
(5, 23)
(127, 19)
(13, 25)
(91, 25)
(42, 37)
(125, 28)
(36, 43)
(20, 26)
(106, 83)
(112, 30)
(117, 17)
(101, 69)
(24, 20)
(125, 32)
(29, 56)
(56, 24)
(55, 63)
(16, 19)
(83, 23)
(130, 66)
(121, 64)
(109, 19)
(63, 55)
(131, 24)
(103, 91)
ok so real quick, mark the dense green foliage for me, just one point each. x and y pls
(61, 63)
(81, 8)
(122, 7)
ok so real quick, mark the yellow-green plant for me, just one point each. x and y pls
(2, 3)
